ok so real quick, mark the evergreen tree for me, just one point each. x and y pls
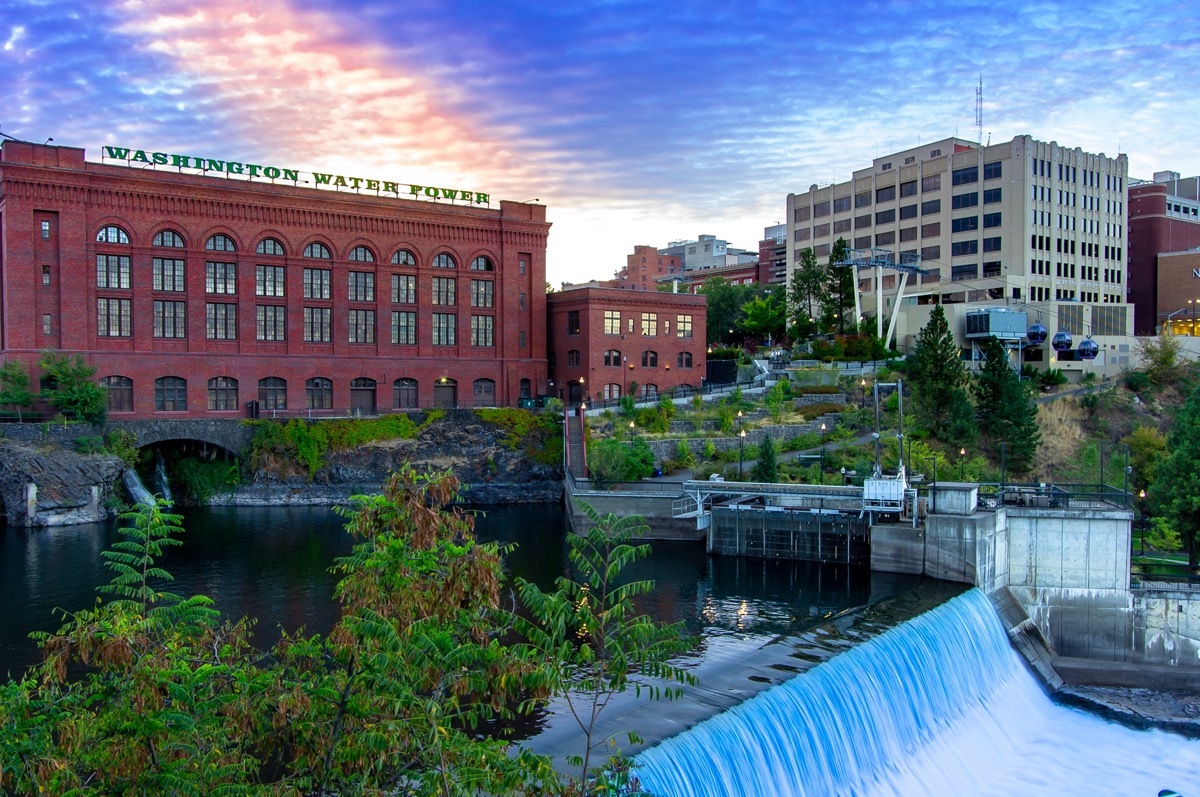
(808, 282)
(837, 298)
(766, 467)
(1006, 410)
(938, 380)
(1176, 488)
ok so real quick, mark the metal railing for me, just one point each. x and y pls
(1054, 496)
(1164, 576)
(677, 393)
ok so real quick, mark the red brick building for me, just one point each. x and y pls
(603, 340)
(643, 267)
(1164, 216)
(195, 295)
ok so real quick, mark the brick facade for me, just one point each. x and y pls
(659, 339)
(1152, 232)
(132, 313)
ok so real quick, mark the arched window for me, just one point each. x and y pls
(120, 393)
(526, 389)
(222, 393)
(444, 261)
(362, 396)
(482, 263)
(170, 393)
(484, 393)
(684, 360)
(112, 234)
(649, 391)
(220, 243)
(572, 358)
(612, 391)
(317, 250)
(168, 238)
(404, 394)
(318, 393)
(272, 393)
(612, 358)
(403, 257)
(649, 359)
(362, 254)
(269, 246)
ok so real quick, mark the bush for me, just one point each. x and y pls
(1136, 381)
(684, 455)
(554, 405)
(611, 460)
(204, 479)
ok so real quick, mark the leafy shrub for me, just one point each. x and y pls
(204, 479)
(684, 455)
(554, 406)
(89, 445)
(1137, 381)
(306, 444)
(725, 353)
(538, 435)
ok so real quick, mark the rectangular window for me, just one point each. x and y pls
(404, 328)
(841, 204)
(362, 326)
(683, 326)
(169, 320)
(268, 280)
(45, 231)
(45, 275)
(362, 286)
(112, 271)
(220, 321)
(964, 272)
(443, 291)
(482, 293)
(649, 324)
(931, 230)
(965, 200)
(521, 301)
(965, 176)
(404, 289)
(885, 194)
(316, 283)
(820, 231)
(862, 200)
(886, 216)
(316, 324)
(573, 322)
(992, 195)
(114, 318)
(220, 277)
(612, 322)
(993, 170)
(962, 248)
(931, 183)
(908, 234)
(885, 238)
(841, 225)
(802, 214)
(802, 234)
(47, 323)
(166, 274)
(931, 252)
(482, 330)
(965, 224)
(444, 329)
(991, 244)
(931, 206)
(908, 212)
(862, 221)
(522, 264)
(521, 339)
(908, 189)
(991, 220)
(271, 322)
(820, 209)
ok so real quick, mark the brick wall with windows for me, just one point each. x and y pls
(142, 270)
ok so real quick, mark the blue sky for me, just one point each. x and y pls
(636, 122)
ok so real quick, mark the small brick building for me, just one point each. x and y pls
(602, 340)
(197, 296)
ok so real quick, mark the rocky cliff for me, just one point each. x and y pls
(53, 486)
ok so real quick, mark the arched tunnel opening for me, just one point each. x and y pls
(188, 471)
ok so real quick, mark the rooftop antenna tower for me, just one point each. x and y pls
(979, 108)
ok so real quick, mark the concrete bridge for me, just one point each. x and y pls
(231, 435)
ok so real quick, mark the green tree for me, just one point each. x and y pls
(1160, 359)
(837, 299)
(590, 634)
(612, 460)
(765, 316)
(807, 287)
(1176, 489)
(725, 302)
(1146, 448)
(1006, 410)
(14, 387)
(766, 467)
(938, 381)
(69, 387)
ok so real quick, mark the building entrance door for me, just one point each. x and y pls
(445, 394)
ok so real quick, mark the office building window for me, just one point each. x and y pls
(404, 289)
(885, 216)
(932, 230)
(169, 320)
(649, 324)
(885, 238)
(908, 212)
(271, 322)
(220, 321)
(573, 322)
(993, 170)
(316, 324)
(443, 291)
(931, 252)
(404, 328)
(170, 394)
(991, 220)
(965, 224)
(961, 248)
(482, 293)
(316, 283)
(166, 274)
(482, 330)
(931, 183)
(445, 329)
(45, 275)
(841, 204)
(908, 189)
(268, 281)
(362, 286)
(965, 200)
(362, 326)
(112, 271)
(991, 244)
(930, 207)
(114, 318)
(683, 326)
(965, 176)
(992, 195)
(222, 393)
(885, 194)
(220, 277)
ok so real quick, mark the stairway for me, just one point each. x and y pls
(576, 457)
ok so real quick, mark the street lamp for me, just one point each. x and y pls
(962, 464)
(632, 431)
(741, 452)
(1142, 536)
(822, 453)
(863, 384)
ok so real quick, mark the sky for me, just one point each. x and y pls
(634, 122)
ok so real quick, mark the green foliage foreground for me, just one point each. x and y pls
(152, 694)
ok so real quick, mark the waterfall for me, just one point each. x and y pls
(137, 490)
(940, 705)
(160, 478)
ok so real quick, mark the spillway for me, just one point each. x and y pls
(940, 705)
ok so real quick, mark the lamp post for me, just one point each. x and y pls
(1193, 304)
(822, 453)
(1142, 524)
(863, 384)
(632, 431)
(962, 464)
(741, 452)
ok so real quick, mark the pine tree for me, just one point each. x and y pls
(766, 467)
(808, 281)
(1176, 488)
(1006, 410)
(938, 379)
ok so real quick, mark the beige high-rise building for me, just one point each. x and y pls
(1026, 224)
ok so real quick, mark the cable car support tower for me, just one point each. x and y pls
(877, 260)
